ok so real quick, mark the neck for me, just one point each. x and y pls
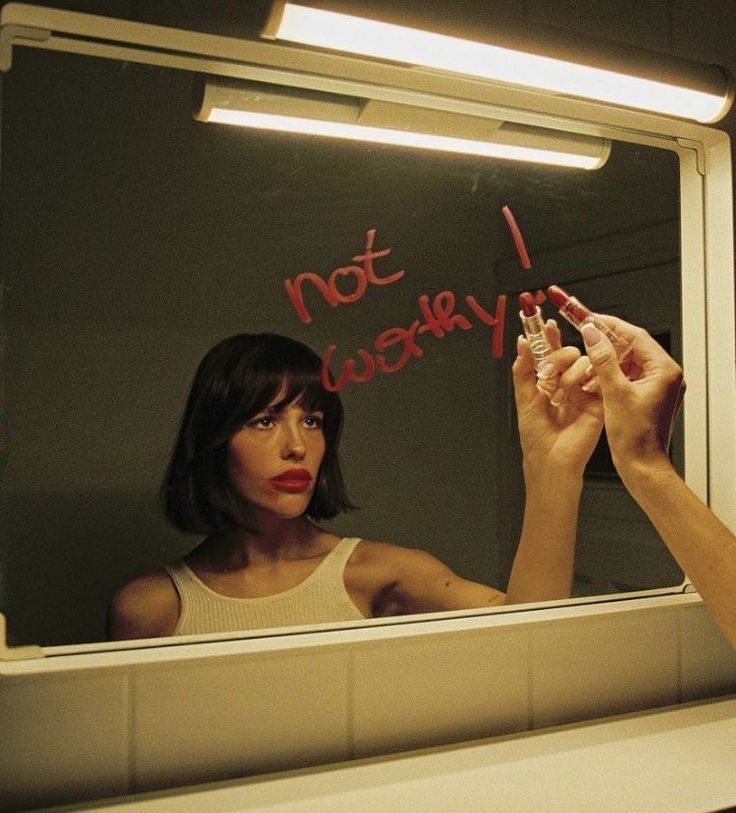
(279, 539)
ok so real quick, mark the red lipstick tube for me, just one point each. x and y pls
(573, 311)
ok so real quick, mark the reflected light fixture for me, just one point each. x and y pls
(627, 76)
(286, 109)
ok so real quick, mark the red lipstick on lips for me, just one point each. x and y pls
(292, 481)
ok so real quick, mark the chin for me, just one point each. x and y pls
(291, 510)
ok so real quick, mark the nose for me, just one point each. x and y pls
(294, 447)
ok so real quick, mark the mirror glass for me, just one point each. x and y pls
(134, 238)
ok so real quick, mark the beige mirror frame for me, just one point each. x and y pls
(705, 183)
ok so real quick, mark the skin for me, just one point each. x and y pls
(640, 404)
(383, 579)
(559, 426)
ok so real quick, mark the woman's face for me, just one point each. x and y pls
(274, 460)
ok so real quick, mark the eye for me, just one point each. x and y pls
(315, 421)
(261, 422)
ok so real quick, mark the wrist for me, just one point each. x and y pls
(641, 476)
(549, 482)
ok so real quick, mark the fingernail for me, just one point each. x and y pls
(591, 334)
(519, 343)
(590, 386)
(547, 370)
(558, 397)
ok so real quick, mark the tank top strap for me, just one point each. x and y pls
(184, 579)
(337, 558)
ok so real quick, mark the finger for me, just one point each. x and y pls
(522, 370)
(646, 351)
(622, 328)
(524, 363)
(571, 379)
(563, 358)
(552, 334)
(602, 357)
(555, 365)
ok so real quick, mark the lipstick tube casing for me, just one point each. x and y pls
(578, 315)
(538, 344)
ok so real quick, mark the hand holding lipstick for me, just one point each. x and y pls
(639, 409)
(641, 404)
(558, 431)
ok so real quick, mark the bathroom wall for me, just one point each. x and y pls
(112, 723)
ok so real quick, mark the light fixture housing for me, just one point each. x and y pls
(285, 109)
(617, 74)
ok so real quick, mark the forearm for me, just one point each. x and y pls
(544, 561)
(702, 545)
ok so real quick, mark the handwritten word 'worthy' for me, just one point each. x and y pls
(359, 276)
(440, 319)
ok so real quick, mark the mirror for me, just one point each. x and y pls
(135, 237)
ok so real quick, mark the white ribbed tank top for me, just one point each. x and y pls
(321, 597)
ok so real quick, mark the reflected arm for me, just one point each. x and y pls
(558, 434)
(544, 561)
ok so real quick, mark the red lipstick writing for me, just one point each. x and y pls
(517, 238)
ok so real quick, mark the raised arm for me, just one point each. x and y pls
(639, 409)
(558, 435)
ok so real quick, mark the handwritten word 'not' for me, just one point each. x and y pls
(329, 289)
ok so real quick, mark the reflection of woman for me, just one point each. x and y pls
(254, 468)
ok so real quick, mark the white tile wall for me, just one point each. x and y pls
(708, 661)
(62, 737)
(603, 665)
(217, 719)
(147, 720)
(411, 693)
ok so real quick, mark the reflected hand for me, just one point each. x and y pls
(559, 423)
(640, 402)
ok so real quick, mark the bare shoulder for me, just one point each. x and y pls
(146, 607)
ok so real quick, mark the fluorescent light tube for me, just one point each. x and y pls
(704, 95)
(249, 104)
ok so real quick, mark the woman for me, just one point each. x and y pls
(255, 467)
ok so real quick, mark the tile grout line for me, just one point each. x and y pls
(530, 680)
(132, 740)
(350, 703)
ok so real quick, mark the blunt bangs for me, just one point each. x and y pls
(277, 372)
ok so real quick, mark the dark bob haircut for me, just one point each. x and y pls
(238, 378)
